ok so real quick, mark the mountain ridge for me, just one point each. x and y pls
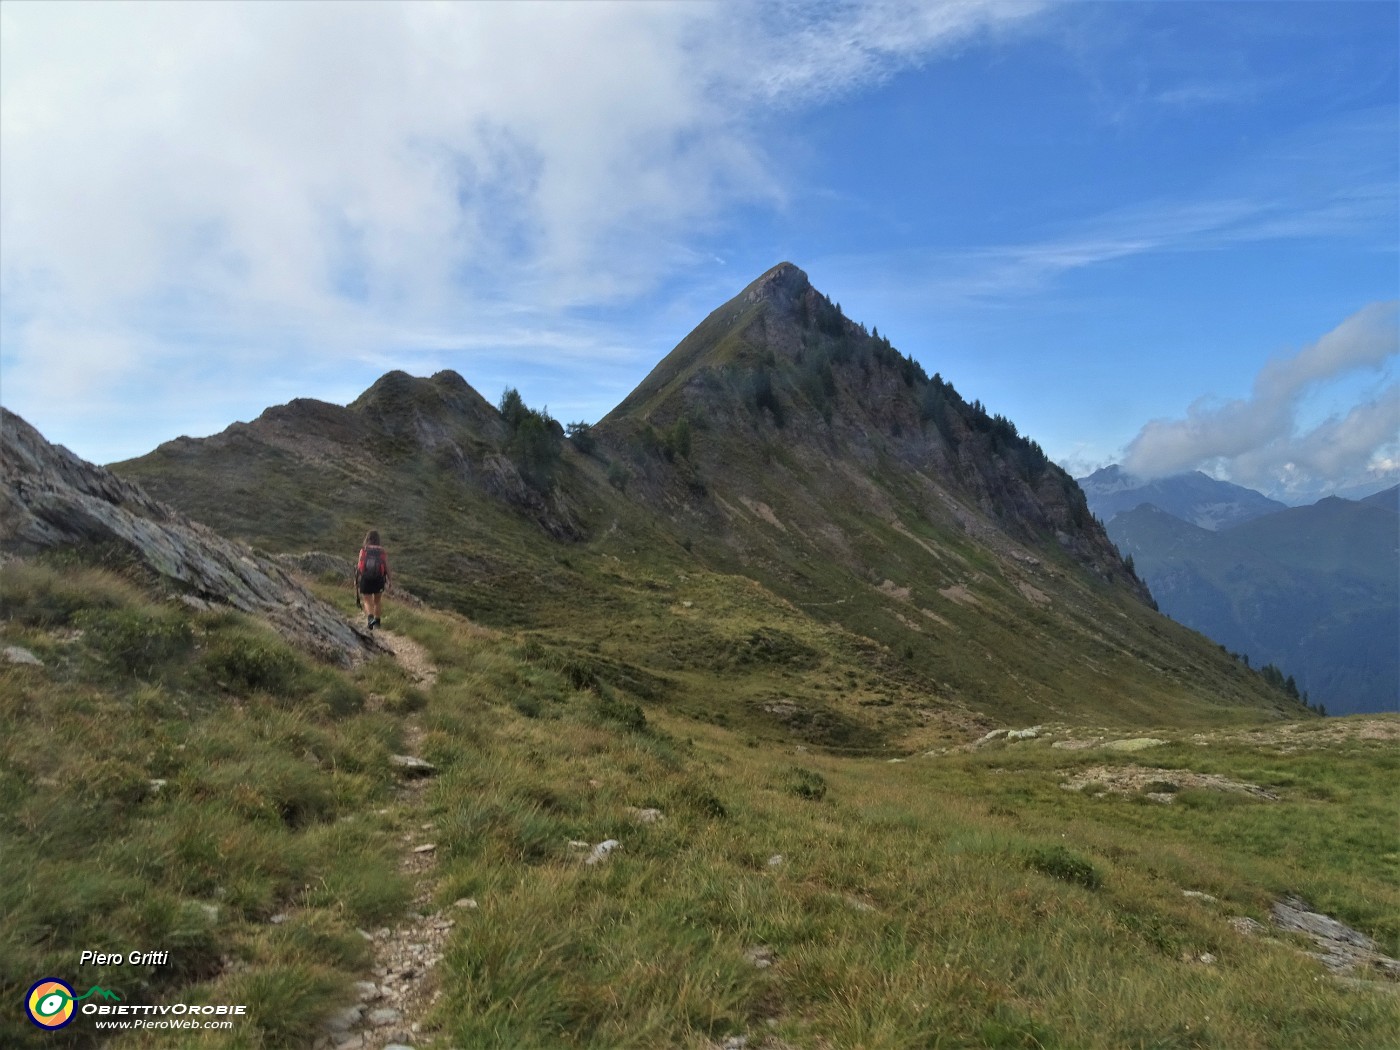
(787, 468)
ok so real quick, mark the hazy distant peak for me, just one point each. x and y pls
(1195, 497)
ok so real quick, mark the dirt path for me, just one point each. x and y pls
(412, 656)
(391, 1006)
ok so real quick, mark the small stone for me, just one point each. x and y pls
(365, 934)
(427, 847)
(279, 918)
(1199, 896)
(465, 902)
(211, 911)
(18, 655)
(1247, 927)
(355, 1042)
(367, 990)
(384, 1016)
(646, 816)
(412, 766)
(775, 861)
(340, 1022)
(1207, 958)
(736, 1042)
(602, 850)
(397, 1046)
(762, 958)
(576, 844)
(155, 785)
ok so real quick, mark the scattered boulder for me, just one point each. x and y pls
(1130, 779)
(1344, 950)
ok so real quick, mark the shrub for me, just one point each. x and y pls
(1060, 863)
(627, 715)
(806, 783)
(241, 660)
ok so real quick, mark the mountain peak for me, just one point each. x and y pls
(783, 283)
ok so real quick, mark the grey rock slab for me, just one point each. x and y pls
(51, 498)
(16, 654)
(384, 1016)
(412, 766)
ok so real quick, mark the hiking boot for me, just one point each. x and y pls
(369, 623)
(376, 621)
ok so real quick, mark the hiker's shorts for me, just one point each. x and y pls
(372, 586)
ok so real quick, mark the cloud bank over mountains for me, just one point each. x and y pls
(1258, 441)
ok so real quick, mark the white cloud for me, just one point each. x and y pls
(1256, 440)
(350, 177)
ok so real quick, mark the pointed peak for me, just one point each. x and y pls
(784, 282)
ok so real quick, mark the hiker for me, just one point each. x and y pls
(371, 577)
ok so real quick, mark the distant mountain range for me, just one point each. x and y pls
(1313, 590)
(1195, 497)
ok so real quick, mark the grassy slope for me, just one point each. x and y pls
(170, 781)
(961, 899)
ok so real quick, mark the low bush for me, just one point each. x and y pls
(1065, 865)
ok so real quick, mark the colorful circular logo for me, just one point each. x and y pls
(50, 1003)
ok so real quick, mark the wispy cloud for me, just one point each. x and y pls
(347, 178)
(1257, 441)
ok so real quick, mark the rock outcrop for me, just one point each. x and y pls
(51, 498)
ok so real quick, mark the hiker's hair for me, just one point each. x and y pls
(372, 540)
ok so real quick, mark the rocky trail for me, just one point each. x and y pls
(388, 1015)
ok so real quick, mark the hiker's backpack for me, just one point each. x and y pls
(372, 567)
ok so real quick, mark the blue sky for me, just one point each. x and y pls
(1165, 232)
